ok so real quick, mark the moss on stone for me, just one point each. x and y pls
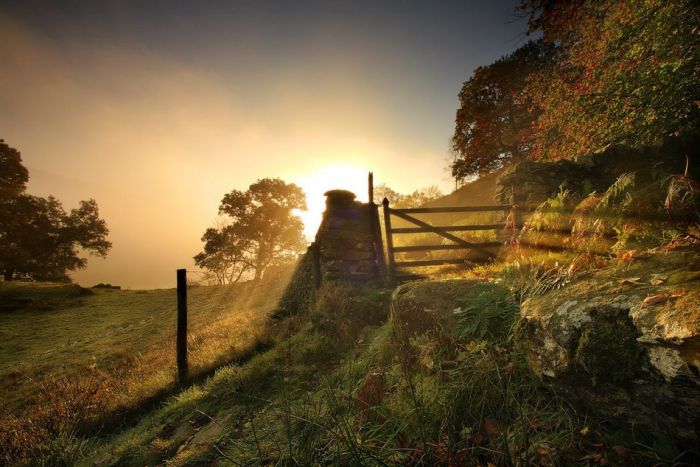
(607, 349)
(680, 277)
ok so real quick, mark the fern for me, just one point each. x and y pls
(489, 313)
(618, 194)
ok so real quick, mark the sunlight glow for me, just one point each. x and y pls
(330, 177)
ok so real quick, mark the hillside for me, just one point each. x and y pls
(109, 352)
(364, 378)
(479, 192)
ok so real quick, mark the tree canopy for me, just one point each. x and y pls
(39, 240)
(261, 230)
(13, 176)
(604, 73)
(492, 125)
(627, 73)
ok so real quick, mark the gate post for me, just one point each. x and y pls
(182, 371)
(391, 270)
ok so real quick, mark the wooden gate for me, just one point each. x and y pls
(484, 250)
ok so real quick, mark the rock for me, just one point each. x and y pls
(600, 343)
(428, 307)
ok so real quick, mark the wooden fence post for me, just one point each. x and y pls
(391, 269)
(518, 218)
(182, 371)
(370, 188)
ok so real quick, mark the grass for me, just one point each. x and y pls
(344, 391)
(73, 359)
(338, 385)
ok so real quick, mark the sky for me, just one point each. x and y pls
(156, 109)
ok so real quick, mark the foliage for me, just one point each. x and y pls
(39, 240)
(490, 312)
(411, 200)
(682, 201)
(226, 254)
(599, 216)
(527, 277)
(492, 125)
(13, 175)
(263, 231)
(626, 73)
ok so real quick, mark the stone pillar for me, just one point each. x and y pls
(345, 240)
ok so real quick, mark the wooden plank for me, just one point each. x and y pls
(436, 262)
(399, 249)
(449, 228)
(499, 207)
(448, 236)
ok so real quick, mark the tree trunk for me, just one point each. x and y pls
(9, 273)
(259, 261)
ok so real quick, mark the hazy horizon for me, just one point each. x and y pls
(157, 109)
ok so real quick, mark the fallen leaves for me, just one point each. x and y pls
(630, 255)
(663, 297)
(677, 293)
(658, 279)
(658, 298)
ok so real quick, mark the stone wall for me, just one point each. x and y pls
(347, 248)
(345, 240)
(529, 183)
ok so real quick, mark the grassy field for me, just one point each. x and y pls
(59, 342)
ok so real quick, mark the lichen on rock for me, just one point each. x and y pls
(615, 353)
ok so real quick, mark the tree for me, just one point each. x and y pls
(412, 200)
(492, 125)
(38, 239)
(13, 175)
(263, 230)
(226, 254)
(626, 73)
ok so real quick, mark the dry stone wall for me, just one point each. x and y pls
(345, 240)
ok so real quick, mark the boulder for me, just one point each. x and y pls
(428, 307)
(624, 341)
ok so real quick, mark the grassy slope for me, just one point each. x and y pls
(124, 338)
(297, 404)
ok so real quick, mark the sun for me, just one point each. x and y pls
(331, 177)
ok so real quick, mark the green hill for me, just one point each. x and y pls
(65, 350)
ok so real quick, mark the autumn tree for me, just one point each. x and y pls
(262, 230)
(492, 125)
(627, 73)
(39, 240)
